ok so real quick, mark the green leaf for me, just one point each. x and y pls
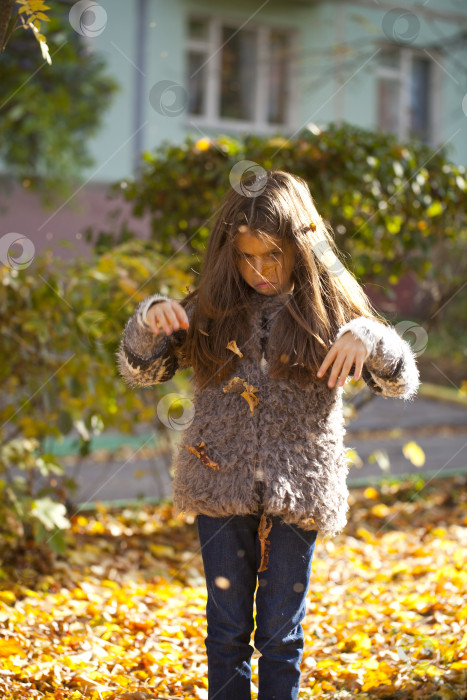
(47, 464)
(50, 514)
(435, 209)
(65, 422)
(91, 321)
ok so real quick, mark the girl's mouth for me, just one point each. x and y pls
(264, 284)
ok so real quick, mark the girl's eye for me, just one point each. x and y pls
(274, 256)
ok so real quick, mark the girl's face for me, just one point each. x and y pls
(265, 265)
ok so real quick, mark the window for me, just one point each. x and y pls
(239, 75)
(406, 94)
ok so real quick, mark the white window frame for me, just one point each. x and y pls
(211, 47)
(402, 75)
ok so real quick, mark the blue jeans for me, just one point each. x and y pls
(231, 554)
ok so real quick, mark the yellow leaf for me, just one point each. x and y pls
(203, 144)
(161, 550)
(232, 345)
(8, 597)
(236, 385)
(439, 532)
(97, 528)
(400, 567)
(381, 510)
(370, 492)
(433, 671)
(8, 647)
(250, 398)
(366, 535)
(359, 641)
(414, 453)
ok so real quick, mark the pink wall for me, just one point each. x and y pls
(22, 212)
(406, 301)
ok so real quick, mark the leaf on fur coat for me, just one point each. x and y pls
(232, 345)
(269, 269)
(249, 396)
(200, 451)
(236, 385)
(263, 531)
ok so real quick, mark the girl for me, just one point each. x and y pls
(262, 463)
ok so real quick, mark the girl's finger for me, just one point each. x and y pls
(327, 361)
(172, 319)
(345, 371)
(358, 368)
(338, 362)
(161, 320)
(159, 325)
(181, 315)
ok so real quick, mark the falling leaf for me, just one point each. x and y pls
(200, 451)
(414, 453)
(263, 531)
(232, 345)
(222, 582)
(236, 385)
(381, 457)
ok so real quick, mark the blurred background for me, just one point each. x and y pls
(125, 76)
(123, 123)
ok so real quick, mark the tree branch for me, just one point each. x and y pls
(6, 9)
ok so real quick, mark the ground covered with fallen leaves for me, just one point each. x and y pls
(122, 613)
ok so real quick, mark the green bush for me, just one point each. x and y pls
(395, 208)
(61, 323)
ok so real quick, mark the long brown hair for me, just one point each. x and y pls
(325, 294)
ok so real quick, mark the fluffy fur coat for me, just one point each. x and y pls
(293, 440)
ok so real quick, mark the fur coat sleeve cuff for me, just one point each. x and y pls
(390, 368)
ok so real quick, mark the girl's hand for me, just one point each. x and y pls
(168, 316)
(346, 351)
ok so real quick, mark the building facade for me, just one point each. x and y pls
(205, 67)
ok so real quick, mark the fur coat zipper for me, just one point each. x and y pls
(293, 439)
